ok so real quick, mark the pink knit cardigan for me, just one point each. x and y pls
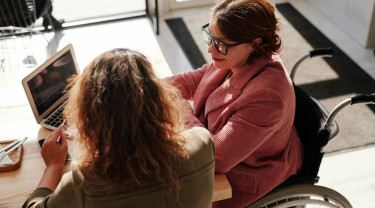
(250, 117)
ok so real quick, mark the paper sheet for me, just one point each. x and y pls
(6, 160)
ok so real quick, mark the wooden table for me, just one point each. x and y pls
(16, 122)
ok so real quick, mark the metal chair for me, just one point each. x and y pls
(21, 45)
(24, 13)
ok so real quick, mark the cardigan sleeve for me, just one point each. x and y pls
(191, 121)
(188, 82)
(248, 128)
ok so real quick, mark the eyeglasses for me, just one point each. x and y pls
(220, 45)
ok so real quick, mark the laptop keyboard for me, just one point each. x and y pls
(56, 118)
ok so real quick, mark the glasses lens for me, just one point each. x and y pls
(220, 47)
(206, 37)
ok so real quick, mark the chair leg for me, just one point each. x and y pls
(48, 19)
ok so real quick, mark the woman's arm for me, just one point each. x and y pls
(247, 129)
(66, 194)
(54, 154)
(256, 120)
(188, 82)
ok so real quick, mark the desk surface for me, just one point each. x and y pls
(17, 122)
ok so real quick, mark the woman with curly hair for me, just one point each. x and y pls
(135, 151)
(246, 100)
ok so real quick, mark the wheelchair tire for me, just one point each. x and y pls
(302, 196)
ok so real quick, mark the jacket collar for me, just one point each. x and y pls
(232, 88)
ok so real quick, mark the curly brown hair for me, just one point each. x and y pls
(246, 20)
(127, 121)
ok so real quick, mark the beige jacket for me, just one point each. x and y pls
(197, 184)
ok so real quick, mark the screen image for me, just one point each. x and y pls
(50, 84)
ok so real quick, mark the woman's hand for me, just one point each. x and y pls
(54, 154)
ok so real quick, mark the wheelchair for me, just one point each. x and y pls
(316, 127)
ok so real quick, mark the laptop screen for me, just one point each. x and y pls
(49, 85)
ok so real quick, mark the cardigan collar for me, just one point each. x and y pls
(232, 88)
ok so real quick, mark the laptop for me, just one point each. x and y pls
(46, 87)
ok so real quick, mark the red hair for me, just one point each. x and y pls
(246, 20)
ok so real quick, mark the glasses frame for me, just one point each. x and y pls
(215, 40)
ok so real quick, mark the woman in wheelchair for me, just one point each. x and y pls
(246, 100)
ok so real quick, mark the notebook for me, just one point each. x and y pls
(46, 87)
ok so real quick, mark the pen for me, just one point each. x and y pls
(60, 134)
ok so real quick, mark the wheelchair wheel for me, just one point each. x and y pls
(302, 196)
